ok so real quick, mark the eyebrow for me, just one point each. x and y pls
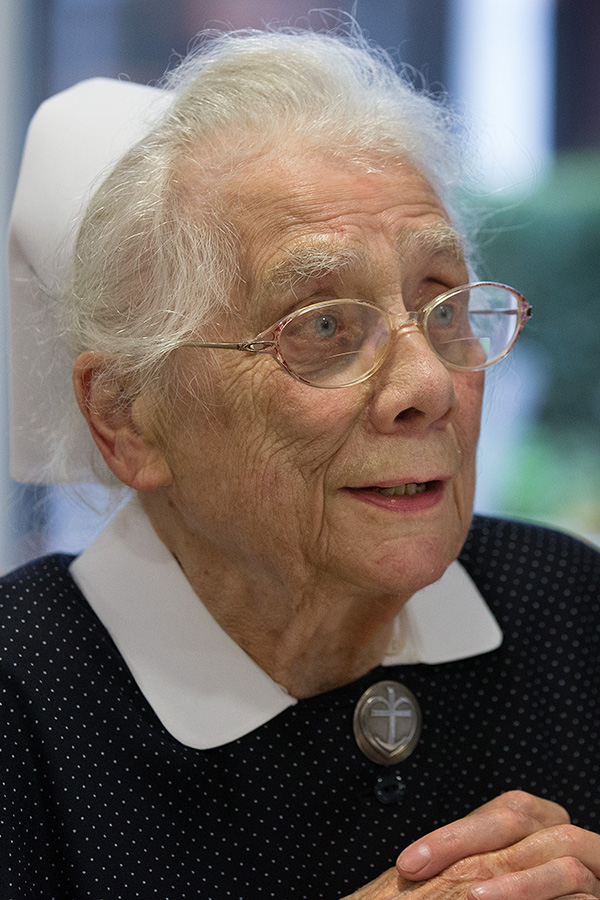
(440, 239)
(316, 259)
(323, 256)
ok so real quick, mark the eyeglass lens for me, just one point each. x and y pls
(340, 343)
(336, 344)
(474, 328)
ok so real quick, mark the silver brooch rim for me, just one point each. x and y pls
(400, 702)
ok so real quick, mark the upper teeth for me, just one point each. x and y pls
(401, 489)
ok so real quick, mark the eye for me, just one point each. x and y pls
(325, 326)
(443, 315)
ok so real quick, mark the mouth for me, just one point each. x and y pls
(403, 490)
(410, 496)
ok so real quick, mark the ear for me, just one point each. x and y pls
(123, 429)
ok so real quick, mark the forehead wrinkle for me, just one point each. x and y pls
(323, 256)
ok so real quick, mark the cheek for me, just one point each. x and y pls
(264, 435)
(252, 470)
(469, 391)
(287, 420)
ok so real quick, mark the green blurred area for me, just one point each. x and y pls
(547, 245)
(557, 480)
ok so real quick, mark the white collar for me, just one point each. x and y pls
(202, 686)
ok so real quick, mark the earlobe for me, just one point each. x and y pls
(120, 426)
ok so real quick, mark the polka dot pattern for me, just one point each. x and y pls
(99, 801)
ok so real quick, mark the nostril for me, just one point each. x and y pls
(408, 415)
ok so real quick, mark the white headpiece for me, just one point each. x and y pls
(74, 139)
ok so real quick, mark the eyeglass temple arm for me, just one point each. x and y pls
(249, 346)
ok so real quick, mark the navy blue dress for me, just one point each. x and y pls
(99, 801)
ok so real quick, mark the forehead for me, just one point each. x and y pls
(303, 218)
(318, 256)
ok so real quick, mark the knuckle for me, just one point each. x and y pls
(451, 841)
(521, 802)
(532, 807)
(514, 820)
(569, 836)
(576, 874)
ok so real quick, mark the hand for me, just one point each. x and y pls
(516, 847)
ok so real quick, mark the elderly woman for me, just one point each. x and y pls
(269, 676)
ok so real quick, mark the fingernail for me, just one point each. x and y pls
(414, 858)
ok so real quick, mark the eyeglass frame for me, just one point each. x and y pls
(270, 345)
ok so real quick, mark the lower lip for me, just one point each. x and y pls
(405, 503)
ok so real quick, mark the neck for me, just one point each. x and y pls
(309, 633)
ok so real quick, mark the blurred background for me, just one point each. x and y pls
(526, 74)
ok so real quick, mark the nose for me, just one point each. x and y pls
(413, 389)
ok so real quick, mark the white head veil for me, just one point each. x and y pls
(73, 141)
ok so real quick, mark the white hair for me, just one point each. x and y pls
(148, 275)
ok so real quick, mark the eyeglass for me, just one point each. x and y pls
(338, 343)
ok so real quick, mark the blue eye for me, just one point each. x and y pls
(325, 326)
(444, 315)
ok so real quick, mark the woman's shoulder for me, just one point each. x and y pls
(534, 572)
(493, 541)
(42, 579)
(40, 604)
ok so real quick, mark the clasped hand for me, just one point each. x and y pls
(516, 847)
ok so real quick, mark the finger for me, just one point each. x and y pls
(501, 822)
(546, 812)
(559, 842)
(551, 881)
(579, 897)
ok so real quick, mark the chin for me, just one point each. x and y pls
(410, 568)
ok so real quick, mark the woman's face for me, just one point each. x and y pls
(282, 480)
